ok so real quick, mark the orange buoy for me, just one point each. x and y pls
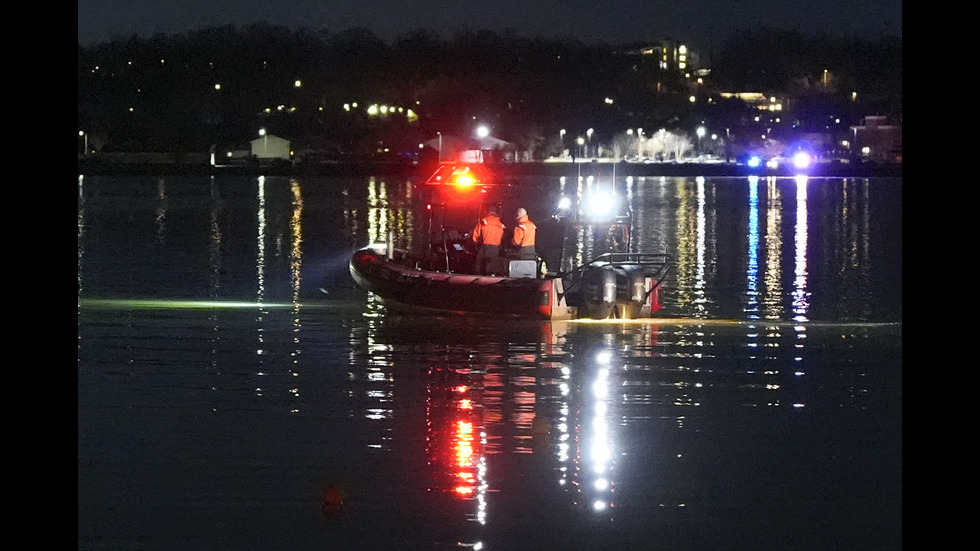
(333, 501)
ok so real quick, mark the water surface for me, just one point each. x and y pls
(231, 379)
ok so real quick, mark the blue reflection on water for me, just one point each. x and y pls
(219, 419)
(752, 287)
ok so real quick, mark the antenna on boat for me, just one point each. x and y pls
(445, 244)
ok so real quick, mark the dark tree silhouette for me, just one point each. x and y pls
(219, 85)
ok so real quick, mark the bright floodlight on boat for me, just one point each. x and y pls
(482, 131)
(602, 206)
(802, 160)
(564, 203)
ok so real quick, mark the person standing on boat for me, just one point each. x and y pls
(487, 234)
(524, 235)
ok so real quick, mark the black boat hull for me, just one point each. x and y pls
(603, 290)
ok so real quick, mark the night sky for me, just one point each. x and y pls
(702, 23)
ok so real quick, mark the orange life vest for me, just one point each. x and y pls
(524, 232)
(488, 231)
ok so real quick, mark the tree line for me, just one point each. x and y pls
(218, 85)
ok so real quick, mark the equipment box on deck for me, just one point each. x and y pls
(523, 268)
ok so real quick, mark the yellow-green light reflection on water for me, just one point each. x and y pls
(178, 304)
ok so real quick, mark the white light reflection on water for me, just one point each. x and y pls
(562, 423)
(695, 254)
(378, 378)
(697, 381)
(385, 215)
(800, 294)
(390, 214)
(653, 231)
(378, 213)
(599, 441)
(260, 283)
(81, 254)
(700, 302)
(295, 277)
(773, 300)
(81, 231)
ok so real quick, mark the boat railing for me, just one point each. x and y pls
(655, 261)
(410, 258)
(654, 265)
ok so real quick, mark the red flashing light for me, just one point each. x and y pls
(465, 180)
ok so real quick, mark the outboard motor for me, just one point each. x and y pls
(641, 297)
(599, 291)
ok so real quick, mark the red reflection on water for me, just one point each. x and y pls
(455, 447)
(464, 447)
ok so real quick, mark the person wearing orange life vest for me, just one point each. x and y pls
(524, 235)
(487, 234)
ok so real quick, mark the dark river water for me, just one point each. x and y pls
(237, 392)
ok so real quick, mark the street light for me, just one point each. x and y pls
(588, 133)
(84, 135)
(440, 146)
(265, 142)
(700, 132)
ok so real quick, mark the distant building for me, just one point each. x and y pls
(758, 100)
(876, 140)
(270, 147)
(667, 55)
(670, 55)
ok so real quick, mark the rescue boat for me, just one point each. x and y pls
(613, 285)
(440, 277)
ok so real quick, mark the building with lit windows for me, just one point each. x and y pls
(670, 56)
(758, 100)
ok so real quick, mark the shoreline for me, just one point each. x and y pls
(94, 167)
